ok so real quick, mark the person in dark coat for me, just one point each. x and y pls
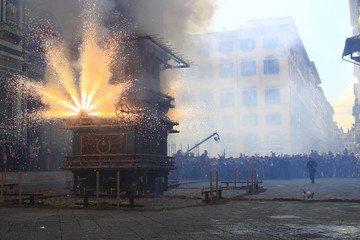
(311, 165)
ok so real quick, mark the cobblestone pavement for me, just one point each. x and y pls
(261, 216)
(232, 220)
(324, 188)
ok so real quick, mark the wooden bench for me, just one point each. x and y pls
(11, 185)
(68, 184)
(29, 194)
(232, 182)
(32, 197)
(243, 184)
(130, 197)
(207, 193)
(86, 200)
(173, 184)
(9, 188)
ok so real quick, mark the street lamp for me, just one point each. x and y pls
(352, 45)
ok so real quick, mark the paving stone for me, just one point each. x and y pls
(269, 215)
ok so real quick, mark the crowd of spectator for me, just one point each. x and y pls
(20, 157)
(281, 166)
(17, 156)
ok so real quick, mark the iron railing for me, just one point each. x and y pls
(118, 161)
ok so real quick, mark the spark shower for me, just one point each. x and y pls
(81, 86)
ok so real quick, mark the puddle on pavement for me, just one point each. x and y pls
(214, 220)
(332, 231)
(283, 216)
(355, 206)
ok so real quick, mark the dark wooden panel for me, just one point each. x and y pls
(103, 143)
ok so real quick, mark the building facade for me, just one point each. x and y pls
(258, 89)
(354, 18)
(12, 61)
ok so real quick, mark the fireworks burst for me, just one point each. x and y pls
(80, 87)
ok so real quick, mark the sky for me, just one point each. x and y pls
(323, 26)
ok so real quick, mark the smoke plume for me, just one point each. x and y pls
(172, 19)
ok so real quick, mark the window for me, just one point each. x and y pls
(250, 120)
(188, 74)
(272, 119)
(206, 99)
(190, 123)
(7, 103)
(205, 71)
(271, 66)
(228, 138)
(9, 109)
(188, 100)
(251, 141)
(228, 122)
(272, 96)
(3, 105)
(155, 73)
(207, 123)
(247, 44)
(206, 49)
(226, 46)
(273, 138)
(227, 98)
(129, 70)
(226, 70)
(270, 42)
(249, 97)
(248, 68)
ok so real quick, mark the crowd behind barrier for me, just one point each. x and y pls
(20, 157)
(17, 156)
(282, 166)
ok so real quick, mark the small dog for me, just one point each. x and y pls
(307, 195)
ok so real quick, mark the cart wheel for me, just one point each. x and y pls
(122, 110)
